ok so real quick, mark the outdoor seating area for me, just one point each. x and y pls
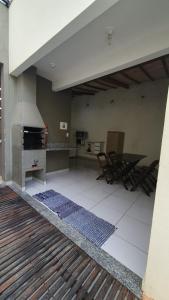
(124, 168)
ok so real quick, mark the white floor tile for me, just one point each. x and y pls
(105, 212)
(112, 188)
(83, 201)
(134, 232)
(96, 193)
(87, 184)
(70, 191)
(130, 256)
(56, 184)
(142, 210)
(122, 193)
(118, 203)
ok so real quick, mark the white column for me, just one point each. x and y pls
(156, 281)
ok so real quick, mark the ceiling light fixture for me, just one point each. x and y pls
(52, 65)
(109, 34)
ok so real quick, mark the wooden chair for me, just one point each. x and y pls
(128, 174)
(117, 165)
(105, 167)
(112, 155)
(145, 177)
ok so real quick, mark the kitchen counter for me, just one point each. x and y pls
(57, 156)
(60, 148)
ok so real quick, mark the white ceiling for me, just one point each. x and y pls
(139, 27)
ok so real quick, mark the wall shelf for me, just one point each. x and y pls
(95, 147)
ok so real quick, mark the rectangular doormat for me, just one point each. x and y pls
(89, 225)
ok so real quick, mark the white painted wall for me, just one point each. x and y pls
(140, 118)
(43, 25)
(157, 274)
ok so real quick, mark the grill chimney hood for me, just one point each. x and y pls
(26, 111)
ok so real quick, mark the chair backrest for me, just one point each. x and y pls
(115, 160)
(146, 174)
(112, 156)
(152, 167)
(102, 159)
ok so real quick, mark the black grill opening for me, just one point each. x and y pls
(33, 138)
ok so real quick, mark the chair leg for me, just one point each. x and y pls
(100, 177)
(148, 186)
(152, 180)
(145, 190)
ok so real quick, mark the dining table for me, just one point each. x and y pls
(130, 157)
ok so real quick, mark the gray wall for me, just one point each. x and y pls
(54, 107)
(26, 112)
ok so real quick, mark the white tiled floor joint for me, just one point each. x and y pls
(131, 212)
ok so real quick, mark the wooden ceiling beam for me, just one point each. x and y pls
(111, 81)
(105, 83)
(129, 77)
(165, 66)
(118, 82)
(155, 60)
(81, 91)
(141, 67)
(86, 88)
(98, 88)
(144, 63)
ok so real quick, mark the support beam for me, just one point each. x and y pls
(97, 88)
(86, 88)
(109, 81)
(129, 77)
(81, 91)
(146, 73)
(105, 83)
(119, 83)
(116, 82)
